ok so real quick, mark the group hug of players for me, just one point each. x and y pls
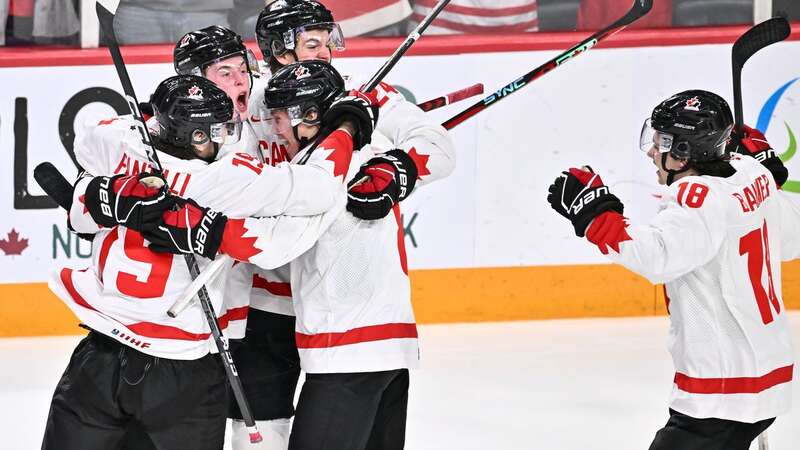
(296, 177)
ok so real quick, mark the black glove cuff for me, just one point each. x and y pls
(608, 202)
(215, 234)
(779, 171)
(406, 169)
(98, 200)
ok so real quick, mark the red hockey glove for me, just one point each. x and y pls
(358, 108)
(390, 178)
(755, 144)
(128, 200)
(188, 229)
(580, 196)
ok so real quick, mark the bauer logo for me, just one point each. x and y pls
(781, 107)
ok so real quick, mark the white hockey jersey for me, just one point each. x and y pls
(718, 244)
(351, 292)
(128, 288)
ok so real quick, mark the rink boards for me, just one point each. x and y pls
(482, 244)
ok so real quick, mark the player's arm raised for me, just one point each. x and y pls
(423, 152)
(657, 250)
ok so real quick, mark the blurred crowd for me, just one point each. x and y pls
(27, 22)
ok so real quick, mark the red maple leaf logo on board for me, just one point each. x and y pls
(13, 245)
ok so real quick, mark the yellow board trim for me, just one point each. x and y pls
(441, 296)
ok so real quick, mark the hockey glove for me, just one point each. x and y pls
(128, 200)
(389, 178)
(580, 196)
(359, 109)
(187, 229)
(755, 144)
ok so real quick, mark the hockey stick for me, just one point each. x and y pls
(106, 18)
(54, 184)
(762, 35)
(639, 9)
(457, 96)
(407, 43)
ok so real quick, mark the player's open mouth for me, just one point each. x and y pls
(241, 102)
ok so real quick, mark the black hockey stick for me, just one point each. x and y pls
(54, 184)
(407, 43)
(762, 35)
(639, 9)
(106, 17)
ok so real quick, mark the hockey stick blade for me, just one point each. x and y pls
(54, 184)
(639, 9)
(756, 38)
(453, 97)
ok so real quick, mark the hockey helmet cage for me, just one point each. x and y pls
(281, 21)
(198, 49)
(693, 125)
(187, 104)
(302, 87)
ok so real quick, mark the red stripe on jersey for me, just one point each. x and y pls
(357, 335)
(480, 29)
(105, 248)
(401, 238)
(743, 385)
(483, 12)
(273, 287)
(155, 330)
(66, 279)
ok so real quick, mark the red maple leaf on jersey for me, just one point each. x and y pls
(421, 161)
(13, 245)
(234, 242)
(339, 144)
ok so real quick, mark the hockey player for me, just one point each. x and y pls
(300, 30)
(717, 244)
(137, 364)
(355, 328)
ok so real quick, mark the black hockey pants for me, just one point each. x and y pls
(268, 365)
(687, 433)
(351, 411)
(108, 387)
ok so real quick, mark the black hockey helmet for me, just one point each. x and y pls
(198, 49)
(280, 22)
(693, 126)
(192, 110)
(302, 87)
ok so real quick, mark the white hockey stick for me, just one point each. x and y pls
(205, 277)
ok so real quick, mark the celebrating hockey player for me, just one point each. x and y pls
(138, 364)
(717, 244)
(301, 30)
(355, 326)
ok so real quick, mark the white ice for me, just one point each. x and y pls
(562, 384)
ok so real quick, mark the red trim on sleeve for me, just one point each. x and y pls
(742, 385)
(273, 287)
(358, 335)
